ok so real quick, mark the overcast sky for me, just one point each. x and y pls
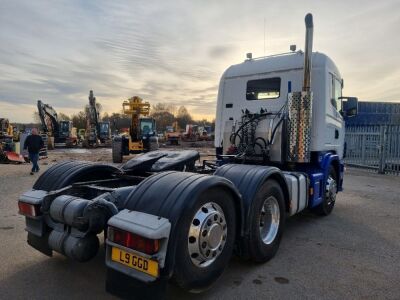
(175, 51)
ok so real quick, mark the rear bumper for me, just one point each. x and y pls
(145, 225)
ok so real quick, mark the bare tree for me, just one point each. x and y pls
(183, 117)
(63, 117)
(79, 120)
(36, 117)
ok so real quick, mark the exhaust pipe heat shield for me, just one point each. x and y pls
(300, 107)
(299, 127)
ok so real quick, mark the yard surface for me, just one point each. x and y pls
(352, 254)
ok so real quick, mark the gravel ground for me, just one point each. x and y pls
(354, 253)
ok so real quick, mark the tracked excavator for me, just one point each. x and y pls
(97, 133)
(60, 132)
(142, 131)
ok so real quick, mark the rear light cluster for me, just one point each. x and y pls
(133, 241)
(29, 210)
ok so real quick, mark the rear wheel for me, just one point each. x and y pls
(205, 242)
(117, 151)
(326, 206)
(267, 222)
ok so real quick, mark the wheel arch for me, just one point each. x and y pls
(249, 178)
(332, 159)
(68, 172)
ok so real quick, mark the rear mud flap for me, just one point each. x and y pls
(40, 244)
(126, 287)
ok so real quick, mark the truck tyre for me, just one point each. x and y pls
(266, 222)
(326, 206)
(69, 172)
(206, 237)
(117, 151)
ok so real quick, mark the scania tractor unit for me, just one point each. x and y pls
(168, 216)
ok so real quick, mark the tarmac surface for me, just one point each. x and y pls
(352, 254)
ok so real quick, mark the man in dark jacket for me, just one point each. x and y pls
(34, 143)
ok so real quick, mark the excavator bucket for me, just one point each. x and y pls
(14, 157)
(10, 156)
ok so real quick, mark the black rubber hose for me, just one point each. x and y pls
(249, 121)
(263, 140)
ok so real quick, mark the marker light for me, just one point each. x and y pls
(29, 210)
(133, 241)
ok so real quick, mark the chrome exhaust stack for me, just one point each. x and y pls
(308, 53)
(300, 108)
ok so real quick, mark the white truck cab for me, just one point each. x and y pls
(266, 82)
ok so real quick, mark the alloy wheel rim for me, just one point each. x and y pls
(331, 189)
(207, 235)
(269, 220)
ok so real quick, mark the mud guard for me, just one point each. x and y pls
(170, 195)
(68, 172)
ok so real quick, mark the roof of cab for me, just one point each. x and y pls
(284, 62)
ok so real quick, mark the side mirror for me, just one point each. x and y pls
(350, 106)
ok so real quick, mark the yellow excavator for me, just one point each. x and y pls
(142, 131)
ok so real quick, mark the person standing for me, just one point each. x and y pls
(34, 143)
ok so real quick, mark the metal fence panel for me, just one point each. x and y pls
(374, 147)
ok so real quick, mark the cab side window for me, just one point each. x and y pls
(336, 93)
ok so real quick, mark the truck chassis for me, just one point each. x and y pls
(187, 220)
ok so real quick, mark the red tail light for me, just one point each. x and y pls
(28, 209)
(133, 241)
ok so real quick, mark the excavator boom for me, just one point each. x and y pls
(96, 131)
(49, 119)
(61, 130)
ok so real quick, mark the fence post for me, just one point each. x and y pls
(382, 149)
(363, 138)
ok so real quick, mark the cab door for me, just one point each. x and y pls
(334, 120)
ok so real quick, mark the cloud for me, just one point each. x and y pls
(176, 51)
(220, 51)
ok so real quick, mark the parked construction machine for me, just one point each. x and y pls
(59, 132)
(173, 134)
(142, 131)
(7, 143)
(205, 133)
(6, 128)
(191, 134)
(97, 133)
(279, 141)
